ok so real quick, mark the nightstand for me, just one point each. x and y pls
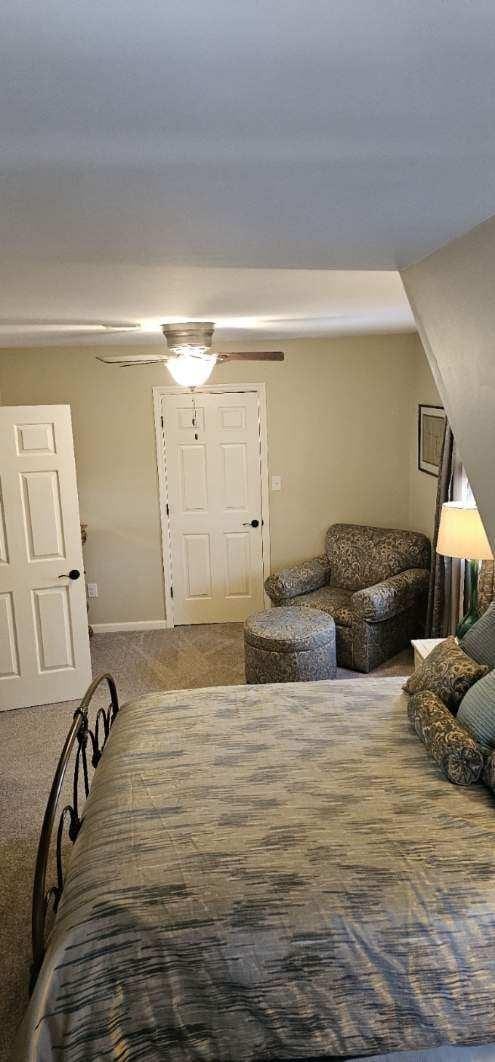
(423, 647)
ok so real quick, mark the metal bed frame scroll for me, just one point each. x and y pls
(89, 744)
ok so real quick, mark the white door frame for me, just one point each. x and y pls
(161, 459)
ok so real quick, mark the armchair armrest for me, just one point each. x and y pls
(300, 579)
(394, 595)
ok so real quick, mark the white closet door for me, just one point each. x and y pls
(212, 446)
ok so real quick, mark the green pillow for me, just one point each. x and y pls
(477, 710)
(479, 642)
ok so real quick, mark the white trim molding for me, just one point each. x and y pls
(240, 388)
(131, 625)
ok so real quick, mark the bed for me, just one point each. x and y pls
(267, 873)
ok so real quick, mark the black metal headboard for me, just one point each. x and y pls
(78, 737)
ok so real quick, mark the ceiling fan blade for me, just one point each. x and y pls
(95, 337)
(132, 359)
(252, 355)
(69, 330)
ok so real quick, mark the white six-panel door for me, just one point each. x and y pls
(212, 460)
(44, 646)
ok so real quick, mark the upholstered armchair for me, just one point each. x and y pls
(373, 581)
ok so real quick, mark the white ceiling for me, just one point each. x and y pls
(137, 138)
(246, 304)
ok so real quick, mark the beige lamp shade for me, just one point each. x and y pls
(461, 533)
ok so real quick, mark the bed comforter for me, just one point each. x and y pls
(270, 872)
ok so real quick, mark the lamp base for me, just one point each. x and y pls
(472, 614)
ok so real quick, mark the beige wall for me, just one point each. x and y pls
(422, 487)
(452, 296)
(340, 433)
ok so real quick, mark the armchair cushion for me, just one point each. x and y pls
(330, 599)
(394, 595)
(300, 579)
(362, 556)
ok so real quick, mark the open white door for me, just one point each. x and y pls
(44, 644)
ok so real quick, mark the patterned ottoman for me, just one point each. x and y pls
(290, 644)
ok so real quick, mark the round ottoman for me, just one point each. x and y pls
(290, 644)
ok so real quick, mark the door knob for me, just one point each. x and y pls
(251, 523)
(73, 574)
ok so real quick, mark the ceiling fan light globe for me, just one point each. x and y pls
(191, 370)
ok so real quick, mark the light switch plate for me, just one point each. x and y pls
(276, 482)
(92, 589)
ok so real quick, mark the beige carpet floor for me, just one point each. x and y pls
(30, 743)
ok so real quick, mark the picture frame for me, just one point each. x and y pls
(431, 428)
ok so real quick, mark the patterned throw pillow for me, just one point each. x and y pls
(451, 746)
(479, 641)
(477, 710)
(448, 671)
(489, 772)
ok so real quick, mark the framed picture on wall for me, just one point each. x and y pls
(431, 426)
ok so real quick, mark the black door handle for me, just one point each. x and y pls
(73, 574)
(252, 523)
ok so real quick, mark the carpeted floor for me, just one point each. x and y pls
(30, 743)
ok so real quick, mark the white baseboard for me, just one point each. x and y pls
(133, 625)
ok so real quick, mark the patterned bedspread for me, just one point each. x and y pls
(271, 872)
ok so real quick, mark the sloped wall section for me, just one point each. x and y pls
(452, 295)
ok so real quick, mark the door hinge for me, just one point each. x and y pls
(171, 591)
(167, 510)
(161, 421)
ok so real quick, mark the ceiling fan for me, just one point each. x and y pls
(190, 360)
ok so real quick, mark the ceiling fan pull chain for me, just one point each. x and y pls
(195, 419)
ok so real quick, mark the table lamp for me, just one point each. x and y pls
(461, 534)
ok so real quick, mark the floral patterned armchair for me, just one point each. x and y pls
(372, 580)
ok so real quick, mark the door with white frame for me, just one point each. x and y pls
(212, 464)
(44, 645)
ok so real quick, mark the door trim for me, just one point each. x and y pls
(161, 461)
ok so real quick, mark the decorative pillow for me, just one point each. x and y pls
(451, 746)
(479, 641)
(477, 710)
(489, 771)
(447, 671)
